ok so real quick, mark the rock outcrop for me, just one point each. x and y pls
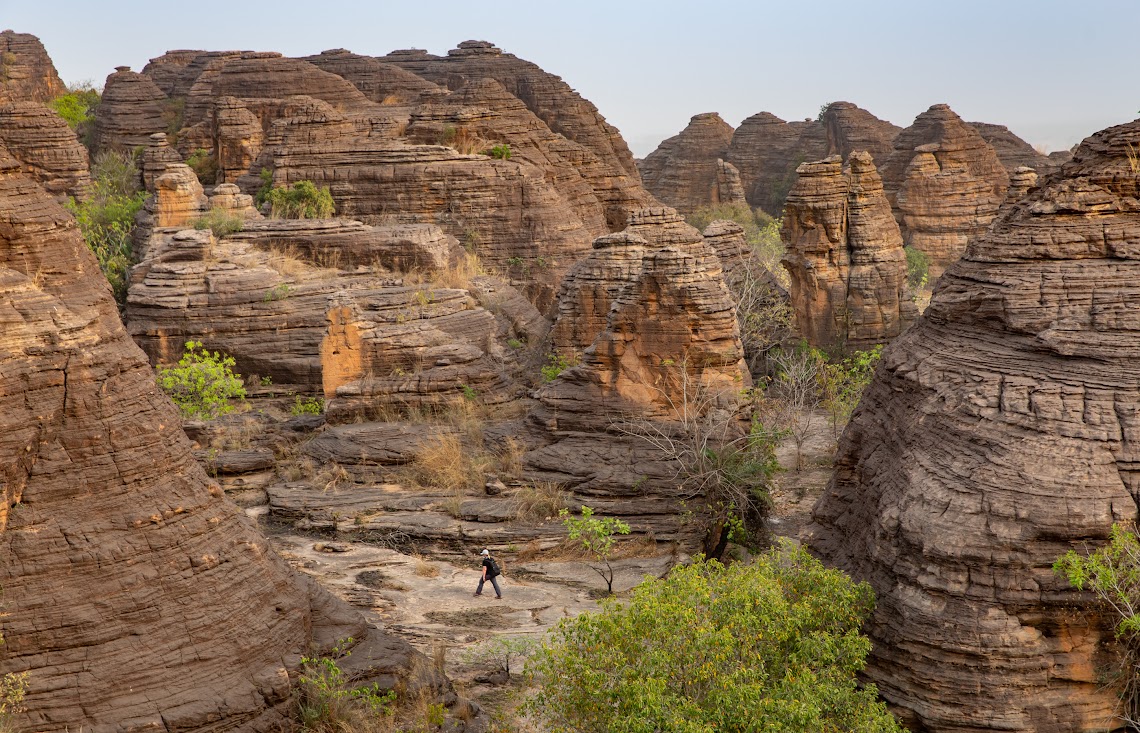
(998, 433)
(686, 170)
(132, 109)
(845, 256)
(851, 128)
(767, 150)
(26, 71)
(47, 148)
(134, 594)
(380, 82)
(1012, 151)
(945, 184)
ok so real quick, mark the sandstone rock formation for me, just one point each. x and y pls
(26, 71)
(851, 129)
(998, 434)
(132, 109)
(845, 256)
(1020, 181)
(945, 183)
(686, 170)
(670, 327)
(134, 594)
(380, 82)
(1012, 151)
(767, 150)
(47, 148)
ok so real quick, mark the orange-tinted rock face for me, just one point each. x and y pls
(134, 594)
(688, 171)
(47, 148)
(845, 256)
(132, 109)
(945, 183)
(26, 71)
(999, 433)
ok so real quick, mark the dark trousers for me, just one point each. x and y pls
(494, 582)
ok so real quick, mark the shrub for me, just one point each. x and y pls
(596, 536)
(77, 108)
(266, 176)
(204, 165)
(501, 651)
(203, 383)
(760, 230)
(502, 151)
(220, 222)
(328, 703)
(558, 363)
(917, 268)
(773, 645)
(307, 406)
(106, 217)
(303, 201)
(842, 384)
(1112, 574)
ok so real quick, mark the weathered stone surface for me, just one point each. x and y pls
(111, 533)
(26, 71)
(380, 82)
(175, 72)
(851, 129)
(1012, 151)
(132, 109)
(1020, 181)
(683, 171)
(178, 197)
(945, 183)
(47, 148)
(229, 198)
(729, 188)
(591, 287)
(845, 256)
(999, 433)
(766, 150)
(155, 157)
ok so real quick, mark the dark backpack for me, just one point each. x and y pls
(493, 571)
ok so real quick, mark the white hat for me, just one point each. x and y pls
(485, 552)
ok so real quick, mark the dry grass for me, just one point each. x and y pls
(457, 276)
(237, 435)
(288, 262)
(538, 501)
(332, 477)
(444, 463)
(426, 568)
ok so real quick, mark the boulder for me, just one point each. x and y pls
(845, 256)
(997, 435)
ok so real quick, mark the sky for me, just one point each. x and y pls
(1053, 72)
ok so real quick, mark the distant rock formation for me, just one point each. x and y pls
(687, 170)
(845, 256)
(47, 148)
(131, 110)
(998, 434)
(27, 73)
(135, 595)
(1012, 151)
(380, 82)
(851, 129)
(766, 150)
(945, 184)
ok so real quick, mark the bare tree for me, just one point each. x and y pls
(796, 391)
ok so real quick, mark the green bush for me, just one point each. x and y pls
(220, 222)
(502, 151)
(307, 406)
(303, 201)
(917, 268)
(774, 645)
(329, 703)
(558, 363)
(106, 217)
(596, 535)
(266, 176)
(203, 383)
(842, 384)
(77, 108)
(760, 230)
(204, 165)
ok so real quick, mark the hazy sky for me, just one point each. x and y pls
(1054, 72)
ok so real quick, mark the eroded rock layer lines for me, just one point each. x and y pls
(683, 171)
(999, 432)
(132, 109)
(945, 184)
(26, 71)
(134, 594)
(1012, 151)
(845, 256)
(47, 147)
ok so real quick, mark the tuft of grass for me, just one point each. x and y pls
(220, 222)
(426, 568)
(538, 501)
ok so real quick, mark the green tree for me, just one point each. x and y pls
(842, 384)
(1112, 574)
(203, 382)
(917, 268)
(106, 217)
(770, 646)
(597, 537)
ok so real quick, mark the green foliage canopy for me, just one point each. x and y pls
(203, 382)
(770, 646)
(303, 201)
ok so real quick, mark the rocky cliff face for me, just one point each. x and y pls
(132, 109)
(380, 82)
(1012, 151)
(845, 256)
(998, 434)
(945, 183)
(686, 171)
(134, 594)
(47, 148)
(27, 73)
(851, 128)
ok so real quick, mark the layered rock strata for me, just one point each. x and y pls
(1012, 151)
(47, 148)
(998, 434)
(27, 73)
(845, 256)
(686, 170)
(767, 150)
(851, 128)
(131, 110)
(380, 82)
(945, 183)
(110, 533)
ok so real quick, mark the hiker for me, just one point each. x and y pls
(490, 572)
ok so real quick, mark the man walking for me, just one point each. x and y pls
(490, 572)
